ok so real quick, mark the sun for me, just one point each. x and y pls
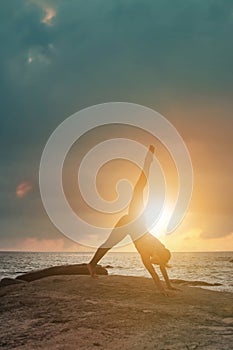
(159, 227)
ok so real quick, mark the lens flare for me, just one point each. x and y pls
(23, 189)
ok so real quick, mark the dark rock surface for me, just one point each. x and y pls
(109, 267)
(8, 281)
(77, 269)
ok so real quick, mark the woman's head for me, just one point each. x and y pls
(162, 257)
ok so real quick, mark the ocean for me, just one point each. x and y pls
(208, 267)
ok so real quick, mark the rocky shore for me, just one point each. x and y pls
(112, 312)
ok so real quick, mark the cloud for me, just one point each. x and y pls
(48, 8)
(217, 228)
(34, 244)
(50, 13)
(23, 189)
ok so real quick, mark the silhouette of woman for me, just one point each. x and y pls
(151, 250)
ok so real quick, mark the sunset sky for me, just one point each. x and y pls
(58, 57)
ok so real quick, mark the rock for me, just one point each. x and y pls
(76, 269)
(195, 283)
(202, 283)
(228, 321)
(231, 260)
(8, 281)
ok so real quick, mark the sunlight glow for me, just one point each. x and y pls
(160, 227)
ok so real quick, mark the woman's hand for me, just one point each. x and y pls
(173, 288)
(152, 149)
(164, 292)
(150, 155)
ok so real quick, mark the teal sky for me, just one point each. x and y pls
(58, 57)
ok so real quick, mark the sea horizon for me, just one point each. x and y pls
(214, 268)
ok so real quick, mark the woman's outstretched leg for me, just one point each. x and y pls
(136, 204)
(115, 237)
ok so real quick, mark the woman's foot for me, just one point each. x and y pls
(91, 271)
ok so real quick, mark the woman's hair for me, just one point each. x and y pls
(161, 257)
(165, 256)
